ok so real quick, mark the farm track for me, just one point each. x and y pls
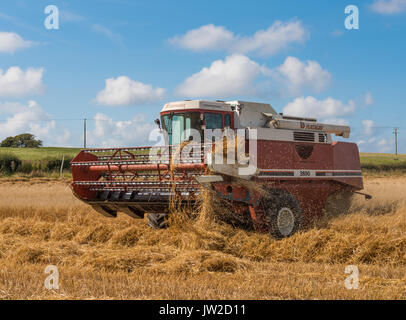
(42, 224)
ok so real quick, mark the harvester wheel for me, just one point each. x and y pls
(284, 215)
(158, 220)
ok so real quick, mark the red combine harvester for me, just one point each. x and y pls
(293, 159)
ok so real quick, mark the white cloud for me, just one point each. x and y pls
(368, 99)
(233, 76)
(382, 142)
(274, 39)
(264, 42)
(124, 91)
(324, 109)
(10, 107)
(297, 75)
(208, 37)
(113, 36)
(69, 16)
(16, 82)
(33, 119)
(336, 121)
(388, 7)
(62, 138)
(384, 146)
(368, 126)
(360, 142)
(238, 75)
(337, 33)
(110, 133)
(11, 41)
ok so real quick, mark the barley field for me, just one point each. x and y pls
(42, 224)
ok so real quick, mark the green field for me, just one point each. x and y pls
(36, 162)
(34, 154)
(370, 162)
(383, 162)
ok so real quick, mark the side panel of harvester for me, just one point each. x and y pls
(310, 171)
(346, 159)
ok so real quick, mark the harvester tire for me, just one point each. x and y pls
(284, 214)
(158, 220)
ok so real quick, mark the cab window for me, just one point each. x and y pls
(227, 121)
(213, 120)
(178, 126)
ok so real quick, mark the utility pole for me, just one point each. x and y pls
(396, 140)
(84, 133)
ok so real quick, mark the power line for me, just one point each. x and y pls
(38, 120)
(49, 120)
(112, 120)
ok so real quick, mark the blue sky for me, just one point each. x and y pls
(296, 55)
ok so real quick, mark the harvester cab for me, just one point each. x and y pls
(189, 120)
(290, 168)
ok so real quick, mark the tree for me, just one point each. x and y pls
(8, 142)
(25, 140)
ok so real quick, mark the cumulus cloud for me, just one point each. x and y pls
(11, 107)
(274, 39)
(368, 126)
(368, 99)
(113, 36)
(69, 16)
(16, 82)
(235, 75)
(208, 37)
(110, 133)
(323, 109)
(11, 42)
(336, 121)
(124, 91)
(296, 75)
(360, 142)
(31, 118)
(388, 7)
(238, 75)
(337, 33)
(264, 42)
(382, 144)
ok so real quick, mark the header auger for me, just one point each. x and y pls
(292, 158)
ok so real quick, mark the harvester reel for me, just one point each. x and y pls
(284, 214)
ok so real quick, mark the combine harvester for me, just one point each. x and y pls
(293, 159)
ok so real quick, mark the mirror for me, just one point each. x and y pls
(158, 123)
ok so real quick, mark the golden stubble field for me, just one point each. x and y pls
(42, 224)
